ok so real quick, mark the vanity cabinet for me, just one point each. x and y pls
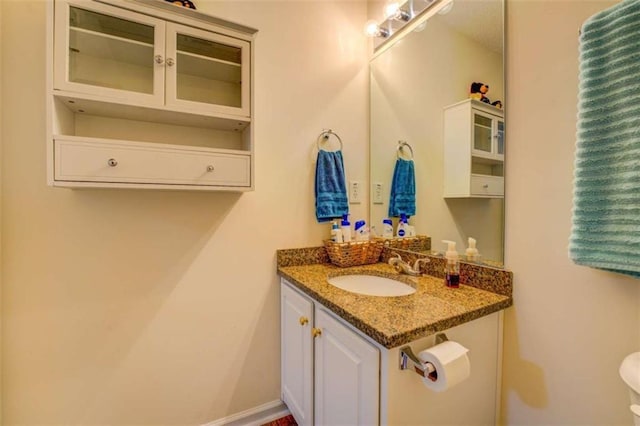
(330, 374)
(473, 150)
(148, 95)
(333, 374)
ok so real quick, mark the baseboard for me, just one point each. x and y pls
(256, 416)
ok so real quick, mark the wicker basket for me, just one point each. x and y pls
(354, 253)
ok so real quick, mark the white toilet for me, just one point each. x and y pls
(630, 373)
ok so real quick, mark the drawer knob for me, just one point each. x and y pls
(159, 59)
(316, 332)
(485, 186)
(170, 62)
(112, 162)
(304, 320)
(210, 168)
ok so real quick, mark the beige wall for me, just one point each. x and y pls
(570, 326)
(144, 307)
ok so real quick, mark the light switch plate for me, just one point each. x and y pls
(377, 193)
(355, 192)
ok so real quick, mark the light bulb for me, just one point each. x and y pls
(446, 9)
(372, 29)
(392, 11)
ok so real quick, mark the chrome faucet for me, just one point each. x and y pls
(404, 268)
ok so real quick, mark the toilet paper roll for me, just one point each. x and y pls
(451, 365)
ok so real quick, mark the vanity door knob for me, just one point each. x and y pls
(210, 168)
(485, 186)
(170, 62)
(304, 321)
(159, 59)
(316, 332)
(112, 162)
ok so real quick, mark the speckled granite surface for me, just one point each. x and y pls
(391, 321)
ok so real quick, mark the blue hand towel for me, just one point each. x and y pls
(403, 189)
(330, 187)
(606, 199)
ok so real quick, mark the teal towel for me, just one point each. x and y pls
(330, 186)
(403, 189)
(606, 198)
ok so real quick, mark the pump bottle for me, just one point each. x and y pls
(452, 267)
(472, 252)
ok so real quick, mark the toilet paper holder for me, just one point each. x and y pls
(426, 370)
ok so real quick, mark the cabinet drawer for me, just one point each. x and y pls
(147, 163)
(487, 185)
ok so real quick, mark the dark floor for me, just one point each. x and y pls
(283, 421)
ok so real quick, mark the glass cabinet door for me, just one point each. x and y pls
(482, 133)
(500, 137)
(108, 51)
(207, 71)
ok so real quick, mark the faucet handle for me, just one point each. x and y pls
(418, 266)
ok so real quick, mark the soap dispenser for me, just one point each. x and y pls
(472, 252)
(452, 267)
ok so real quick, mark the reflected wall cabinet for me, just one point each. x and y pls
(473, 150)
(148, 94)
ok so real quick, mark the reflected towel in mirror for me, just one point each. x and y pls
(330, 186)
(403, 189)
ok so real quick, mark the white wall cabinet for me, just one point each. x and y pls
(139, 87)
(330, 374)
(473, 150)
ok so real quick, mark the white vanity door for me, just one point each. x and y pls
(347, 376)
(297, 355)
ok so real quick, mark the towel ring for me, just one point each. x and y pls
(401, 145)
(325, 135)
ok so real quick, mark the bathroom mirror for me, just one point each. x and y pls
(411, 82)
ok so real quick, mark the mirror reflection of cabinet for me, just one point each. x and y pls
(140, 101)
(473, 150)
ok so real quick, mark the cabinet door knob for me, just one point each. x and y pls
(304, 321)
(159, 59)
(485, 186)
(170, 62)
(316, 332)
(112, 162)
(210, 168)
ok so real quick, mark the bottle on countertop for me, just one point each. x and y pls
(472, 252)
(387, 228)
(452, 267)
(403, 226)
(346, 228)
(361, 231)
(336, 233)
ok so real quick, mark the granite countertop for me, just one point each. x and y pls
(395, 321)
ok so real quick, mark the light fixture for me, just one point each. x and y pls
(399, 14)
(373, 29)
(393, 11)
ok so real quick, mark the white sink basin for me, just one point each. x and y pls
(371, 285)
